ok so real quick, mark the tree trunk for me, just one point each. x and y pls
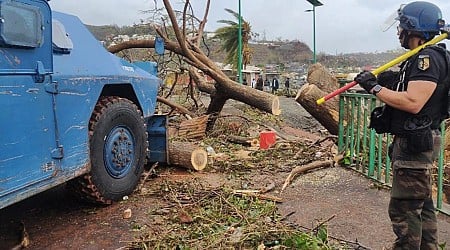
(326, 114)
(225, 87)
(319, 76)
(194, 128)
(228, 89)
(214, 109)
(253, 97)
(200, 82)
(187, 155)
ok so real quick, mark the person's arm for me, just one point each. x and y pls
(412, 100)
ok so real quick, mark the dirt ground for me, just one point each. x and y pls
(353, 207)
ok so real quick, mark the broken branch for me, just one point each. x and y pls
(301, 169)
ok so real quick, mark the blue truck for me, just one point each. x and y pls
(71, 112)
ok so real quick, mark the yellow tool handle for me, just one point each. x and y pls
(408, 54)
(385, 66)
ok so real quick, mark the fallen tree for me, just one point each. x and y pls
(187, 45)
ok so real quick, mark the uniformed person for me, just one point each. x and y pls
(415, 105)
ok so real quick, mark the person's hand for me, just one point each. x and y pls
(366, 80)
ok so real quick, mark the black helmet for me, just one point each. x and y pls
(421, 17)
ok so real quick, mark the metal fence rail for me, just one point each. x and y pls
(366, 152)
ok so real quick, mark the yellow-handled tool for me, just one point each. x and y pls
(385, 67)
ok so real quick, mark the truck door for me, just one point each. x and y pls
(28, 151)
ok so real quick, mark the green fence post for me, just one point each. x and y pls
(380, 156)
(351, 122)
(387, 177)
(341, 124)
(356, 147)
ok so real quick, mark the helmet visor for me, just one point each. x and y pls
(392, 19)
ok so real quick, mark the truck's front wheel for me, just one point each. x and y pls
(118, 144)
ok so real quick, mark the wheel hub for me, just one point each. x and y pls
(119, 152)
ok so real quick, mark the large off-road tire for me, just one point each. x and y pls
(118, 145)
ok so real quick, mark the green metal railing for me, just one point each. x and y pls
(367, 152)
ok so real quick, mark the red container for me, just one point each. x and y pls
(267, 139)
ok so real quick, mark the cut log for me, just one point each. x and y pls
(187, 155)
(326, 114)
(194, 128)
(319, 76)
(249, 142)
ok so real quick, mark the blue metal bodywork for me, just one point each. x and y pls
(47, 98)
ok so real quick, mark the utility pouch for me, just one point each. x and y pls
(380, 120)
(418, 134)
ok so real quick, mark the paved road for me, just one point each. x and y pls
(358, 207)
(296, 116)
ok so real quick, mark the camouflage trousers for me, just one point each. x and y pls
(411, 207)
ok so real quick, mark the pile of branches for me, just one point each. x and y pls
(287, 153)
(197, 217)
(194, 215)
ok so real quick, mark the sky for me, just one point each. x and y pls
(341, 26)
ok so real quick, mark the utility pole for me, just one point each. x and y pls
(315, 3)
(240, 45)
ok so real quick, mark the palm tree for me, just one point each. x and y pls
(229, 37)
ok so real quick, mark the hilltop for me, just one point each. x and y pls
(284, 53)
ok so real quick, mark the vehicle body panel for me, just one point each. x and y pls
(47, 99)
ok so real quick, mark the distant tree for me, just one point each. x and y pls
(229, 37)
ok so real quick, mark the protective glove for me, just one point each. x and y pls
(366, 80)
(388, 79)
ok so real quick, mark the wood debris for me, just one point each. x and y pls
(250, 142)
(194, 128)
(301, 169)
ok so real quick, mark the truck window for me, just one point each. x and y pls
(61, 40)
(20, 25)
